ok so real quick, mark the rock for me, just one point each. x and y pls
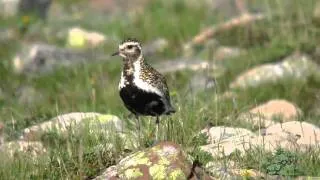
(2, 96)
(78, 37)
(221, 133)
(175, 65)
(298, 67)
(39, 8)
(292, 135)
(64, 123)
(31, 148)
(224, 52)
(155, 46)
(39, 59)
(307, 134)
(1, 134)
(201, 82)
(28, 95)
(316, 13)
(166, 160)
(265, 114)
(9, 8)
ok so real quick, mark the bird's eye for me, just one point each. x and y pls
(129, 46)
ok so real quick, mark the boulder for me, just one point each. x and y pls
(165, 160)
(294, 135)
(265, 114)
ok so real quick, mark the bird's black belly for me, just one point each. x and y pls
(141, 102)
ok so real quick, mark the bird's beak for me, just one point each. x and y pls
(115, 54)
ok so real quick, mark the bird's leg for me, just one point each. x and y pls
(138, 127)
(157, 129)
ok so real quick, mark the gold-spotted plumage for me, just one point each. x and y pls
(143, 89)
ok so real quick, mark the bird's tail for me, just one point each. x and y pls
(171, 110)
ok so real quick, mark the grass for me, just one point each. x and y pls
(93, 87)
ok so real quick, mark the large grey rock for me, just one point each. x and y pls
(297, 67)
(43, 58)
(39, 8)
(294, 135)
(35, 7)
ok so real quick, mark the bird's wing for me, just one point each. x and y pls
(159, 81)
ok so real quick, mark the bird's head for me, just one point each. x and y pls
(129, 48)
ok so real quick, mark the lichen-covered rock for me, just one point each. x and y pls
(298, 67)
(265, 114)
(166, 160)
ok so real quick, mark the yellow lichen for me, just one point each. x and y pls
(136, 159)
(158, 171)
(247, 173)
(132, 173)
(164, 161)
(177, 174)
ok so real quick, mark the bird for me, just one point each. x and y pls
(143, 90)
